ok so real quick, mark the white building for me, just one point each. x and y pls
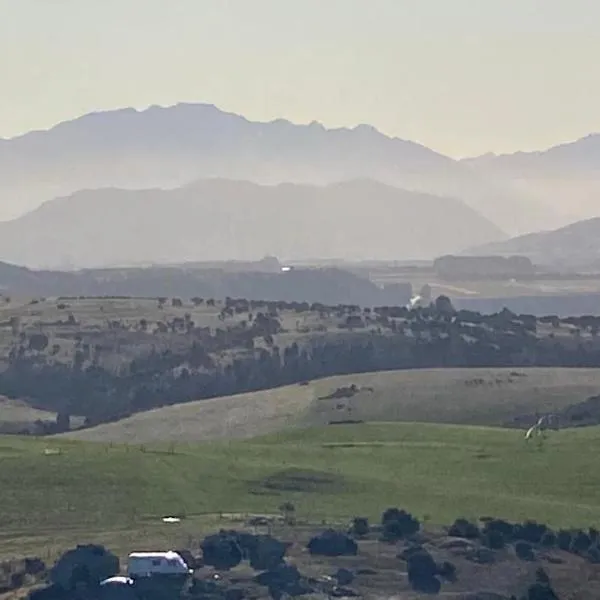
(149, 564)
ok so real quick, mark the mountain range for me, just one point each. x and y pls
(575, 246)
(192, 182)
(171, 147)
(218, 219)
(564, 178)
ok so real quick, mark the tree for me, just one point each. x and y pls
(443, 305)
(38, 342)
(15, 325)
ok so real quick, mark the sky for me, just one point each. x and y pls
(463, 77)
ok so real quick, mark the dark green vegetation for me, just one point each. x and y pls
(106, 359)
(395, 554)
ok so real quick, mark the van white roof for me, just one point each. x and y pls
(168, 555)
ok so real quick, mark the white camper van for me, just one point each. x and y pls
(151, 564)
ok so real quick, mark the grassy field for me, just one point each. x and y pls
(459, 396)
(16, 411)
(54, 492)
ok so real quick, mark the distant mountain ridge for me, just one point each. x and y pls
(575, 245)
(564, 177)
(328, 285)
(223, 220)
(170, 147)
(582, 154)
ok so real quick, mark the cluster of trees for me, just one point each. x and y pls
(82, 570)
(229, 360)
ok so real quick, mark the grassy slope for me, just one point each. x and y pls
(438, 471)
(15, 411)
(439, 395)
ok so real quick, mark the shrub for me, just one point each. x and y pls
(88, 564)
(464, 529)
(360, 526)
(493, 539)
(505, 528)
(524, 551)
(332, 543)
(530, 531)
(593, 554)
(221, 551)
(422, 572)
(549, 539)
(564, 540)
(580, 542)
(398, 524)
(265, 552)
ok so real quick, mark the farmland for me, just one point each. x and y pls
(491, 397)
(104, 359)
(74, 489)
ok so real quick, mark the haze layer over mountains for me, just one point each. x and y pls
(191, 182)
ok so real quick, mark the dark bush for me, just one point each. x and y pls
(549, 539)
(17, 580)
(360, 526)
(542, 588)
(51, 592)
(422, 572)
(580, 542)
(593, 554)
(34, 566)
(285, 579)
(410, 551)
(265, 552)
(344, 576)
(493, 539)
(524, 551)
(530, 531)
(500, 526)
(234, 594)
(447, 570)
(85, 564)
(38, 342)
(221, 551)
(398, 524)
(563, 540)
(538, 591)
(332, 543)
(464, 529)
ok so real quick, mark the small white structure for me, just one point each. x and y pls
(118, 580)
(150, 564)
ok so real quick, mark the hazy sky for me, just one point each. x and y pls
(461, 76)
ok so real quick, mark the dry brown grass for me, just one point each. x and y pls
(460, 396)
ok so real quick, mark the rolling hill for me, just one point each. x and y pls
(564, 178)
(52, 490)
(170, 147)
(575, 245)
(221, 219)
(459, 396)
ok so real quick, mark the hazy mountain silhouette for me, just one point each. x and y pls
(170, 147)
(575, 245)
(223, 219)
(564, 178)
